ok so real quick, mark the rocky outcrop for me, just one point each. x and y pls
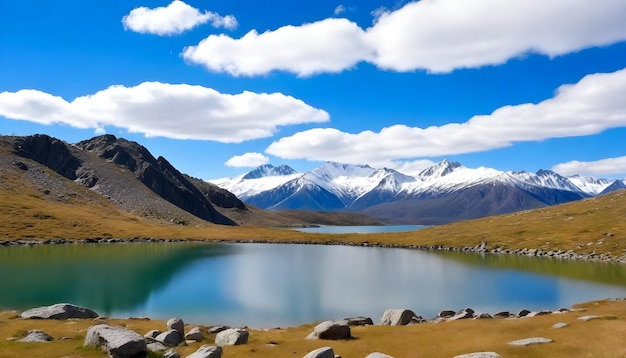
(399, 317)
(324, 352)
(118, 342)
(333, 330)
(58, 311)
(37, 335)
(51, 152)
(232, 337)
(155, 173)
(207, 351)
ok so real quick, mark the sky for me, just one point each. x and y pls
(220, 87)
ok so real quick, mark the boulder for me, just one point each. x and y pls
(217, 329)
(334, 330)
(176, 324)
(484, 316)
(502, 314)
(118, 342)
(58, 311)
(523, 313)
(156, 347)
(463, 314)
(194, 334)
(560, 325)
(170, 338)
(378, 355)
(207, 351)
(446, 314)
(171, 354)
(324, 352)
(232, 337)
(480, 355)
(36, 335)
(530, 341)
(151, 335)
(359, 321)
(398, 317)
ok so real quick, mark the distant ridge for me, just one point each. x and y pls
(443, 193)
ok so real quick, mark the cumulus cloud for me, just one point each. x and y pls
(247, 160)
(608, 166)
(331, 45)
(174, 18)
(178, 111)
(438, 36)
(588, 107)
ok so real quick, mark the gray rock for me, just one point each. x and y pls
(378, 355)
(156, 347)
(217, 329)
(502, 314)
(37, 335)
(463, 314)
(530, 341)
(588, 318)
(118, 342)
(194, 334)
(58, 311)
(359, 321)
(446, 314)
(523, 313)
(480, 355)
(171, 354)
(484, 316)
(334, 330)
(324, 352)
(151, 335)
(207, 351)
(540, 313)
(170, 337)
(232, 337)
(398, 317)
(560, 325)
(176, 324)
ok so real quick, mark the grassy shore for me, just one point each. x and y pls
(596, 338)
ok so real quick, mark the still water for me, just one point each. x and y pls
(363, 229)
(269, 285)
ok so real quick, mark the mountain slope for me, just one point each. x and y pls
(445, 192)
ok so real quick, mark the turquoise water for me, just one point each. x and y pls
(328, 229)
(270, 285)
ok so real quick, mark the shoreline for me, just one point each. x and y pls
(482, 248)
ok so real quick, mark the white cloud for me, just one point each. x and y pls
(172, 19)
(433, 35)
(331, 45)
(588, 107)
(609, 166)
(177, 111)
(340, 10)
(247, 160)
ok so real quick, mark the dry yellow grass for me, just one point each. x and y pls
(596, 338)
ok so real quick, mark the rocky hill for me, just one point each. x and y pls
(126, 174)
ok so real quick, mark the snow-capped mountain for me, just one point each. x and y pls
(445, 192)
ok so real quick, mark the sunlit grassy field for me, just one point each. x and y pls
(596, 338)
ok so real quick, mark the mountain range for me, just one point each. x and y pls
(443, 193)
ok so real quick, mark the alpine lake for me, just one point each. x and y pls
(281, 285)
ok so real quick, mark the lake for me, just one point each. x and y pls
(270, 285)
(364, 229)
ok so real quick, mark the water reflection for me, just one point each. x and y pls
(278, 285)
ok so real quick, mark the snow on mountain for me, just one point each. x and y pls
(589, 185)
(335, 186)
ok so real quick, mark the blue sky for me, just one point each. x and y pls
(219, 87)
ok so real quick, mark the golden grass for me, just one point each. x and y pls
(596, 338)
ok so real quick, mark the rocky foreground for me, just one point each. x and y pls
(174, 337)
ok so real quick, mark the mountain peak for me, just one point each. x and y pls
(440, 169)
(268, 170)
